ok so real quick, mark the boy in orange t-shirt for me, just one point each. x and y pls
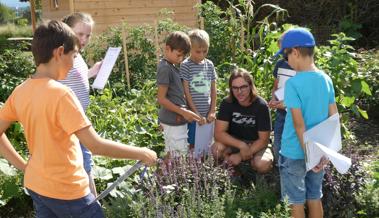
(54, 122)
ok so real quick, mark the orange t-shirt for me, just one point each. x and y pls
(50, 114)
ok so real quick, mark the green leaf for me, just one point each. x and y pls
(6, 169)
(363, 113)
(347, 101)
(102, 173)
(365, 88)
(10, 189)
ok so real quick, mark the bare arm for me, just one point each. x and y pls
(332, 109)
(189, 97)
(94, 69)
(298, 122)
(164, 102)
(222, 136)
(260, 143)
(105, 147)
(7, 150)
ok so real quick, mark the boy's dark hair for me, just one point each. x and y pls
(304, 51)
(50, 36)
(180, 41)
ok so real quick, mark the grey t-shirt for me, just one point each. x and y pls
(168, 75)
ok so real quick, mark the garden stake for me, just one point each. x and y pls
(134, 168)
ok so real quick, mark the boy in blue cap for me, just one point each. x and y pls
(309, 98)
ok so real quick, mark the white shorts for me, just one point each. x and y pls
(175, 138)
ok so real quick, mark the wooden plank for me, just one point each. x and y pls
(54, 15)
(100, 27)
(141, 20)
(135, 11)
(134, 4)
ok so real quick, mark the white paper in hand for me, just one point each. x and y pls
(327, 133)
(203, 138)
(279, 94)
(324, 139)
(106, 67)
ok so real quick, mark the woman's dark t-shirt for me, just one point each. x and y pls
(245, 122)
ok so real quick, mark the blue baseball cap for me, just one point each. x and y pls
(296, 37)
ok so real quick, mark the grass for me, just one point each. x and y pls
(11, 30)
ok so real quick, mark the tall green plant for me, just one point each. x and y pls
(338, 60)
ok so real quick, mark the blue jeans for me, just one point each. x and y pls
(280, 117)
(87, 158)
(296, 183)
(46, 207)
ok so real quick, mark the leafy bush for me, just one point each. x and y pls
(15, 66)
(368, 199)
(338, 61)
(185, 187)
(131, 119)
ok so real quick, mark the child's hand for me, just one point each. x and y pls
(211, 117)
(202, 121)
(190, 116)
(273, 103)
(149, 157)
(320, 166)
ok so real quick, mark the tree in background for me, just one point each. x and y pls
(6, 14)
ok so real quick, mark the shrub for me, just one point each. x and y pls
(368, 199)
(185, 187)
(340, 190)
(15, 66)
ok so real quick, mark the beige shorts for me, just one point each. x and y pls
(175, 138)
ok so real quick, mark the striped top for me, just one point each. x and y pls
(200, 77)
(77, 81)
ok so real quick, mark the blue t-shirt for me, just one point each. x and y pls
(312, 92)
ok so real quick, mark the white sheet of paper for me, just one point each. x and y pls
(340, 162)
(203, 139)
(279, 94)
(327, 133)
(106, 67)
(284, 75)
(324, 139)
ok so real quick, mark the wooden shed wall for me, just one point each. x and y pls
(112, 12)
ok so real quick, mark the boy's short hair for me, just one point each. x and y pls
(74, 18)
(178, 40)
(298, 38)
(49, 36)
(199, 37)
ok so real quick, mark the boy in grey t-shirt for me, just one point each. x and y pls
(173, 114)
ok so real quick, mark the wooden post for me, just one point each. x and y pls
(156, 39)
(33, 14)
(71, 5)
(202, 23)
(124, 35)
